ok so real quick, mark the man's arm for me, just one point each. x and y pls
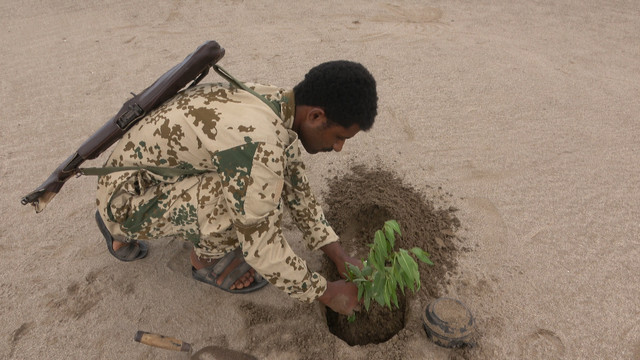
(305, 209)
(252, 184)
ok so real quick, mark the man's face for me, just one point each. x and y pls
(324, 136)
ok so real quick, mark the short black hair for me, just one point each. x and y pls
(346, 91)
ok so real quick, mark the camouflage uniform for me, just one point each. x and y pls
(251, 166)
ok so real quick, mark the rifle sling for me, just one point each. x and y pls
(162, 171)
(274, 105)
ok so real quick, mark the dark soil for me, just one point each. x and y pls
(358, 204)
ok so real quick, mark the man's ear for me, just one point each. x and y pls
(316, 116)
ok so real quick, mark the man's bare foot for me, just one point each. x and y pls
(118, 244)
(242, 282)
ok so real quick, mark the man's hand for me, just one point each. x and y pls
(336, 253)
(341, 297)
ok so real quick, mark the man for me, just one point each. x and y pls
(241, 166)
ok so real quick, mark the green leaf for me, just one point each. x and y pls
(378, 282)
(408, 279)
(392, 282)
(404, 276)
(379, 262)
(414, 264)
(379, 288)
(387, 299)
(367, 271)
(394, 299)
(400, 280)
(354, 270)
(352, 318)
(368, 293)
(417, 281)
(375, 261)
(371, 258)
(380, 244)
(350, 275)
(414, 271)
(391, 290)
(393, 225)
(360, 291)
(406, 265)
(388, 232)
(422, 255)
(402, 288)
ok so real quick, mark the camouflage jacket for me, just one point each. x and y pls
(253, 156)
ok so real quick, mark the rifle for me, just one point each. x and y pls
(193, 68)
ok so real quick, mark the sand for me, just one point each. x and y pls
(518, 119)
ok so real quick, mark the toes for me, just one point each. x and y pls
(244, 281)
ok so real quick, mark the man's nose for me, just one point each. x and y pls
(338, 145)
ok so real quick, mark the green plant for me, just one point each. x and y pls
(385, 270)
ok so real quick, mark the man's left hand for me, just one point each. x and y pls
(336, 253)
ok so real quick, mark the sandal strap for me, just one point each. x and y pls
(129, 251)
(223, 262)
(235, 274)
(210, 274)
(134, 249)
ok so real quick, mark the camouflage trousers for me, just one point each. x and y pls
(140, 205)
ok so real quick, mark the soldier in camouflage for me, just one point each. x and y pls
(239, 166)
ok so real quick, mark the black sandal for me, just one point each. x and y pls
(134, 250)
(210, 274)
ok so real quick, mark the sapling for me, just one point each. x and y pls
(385, 270)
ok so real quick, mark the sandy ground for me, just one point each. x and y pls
(526, 114)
